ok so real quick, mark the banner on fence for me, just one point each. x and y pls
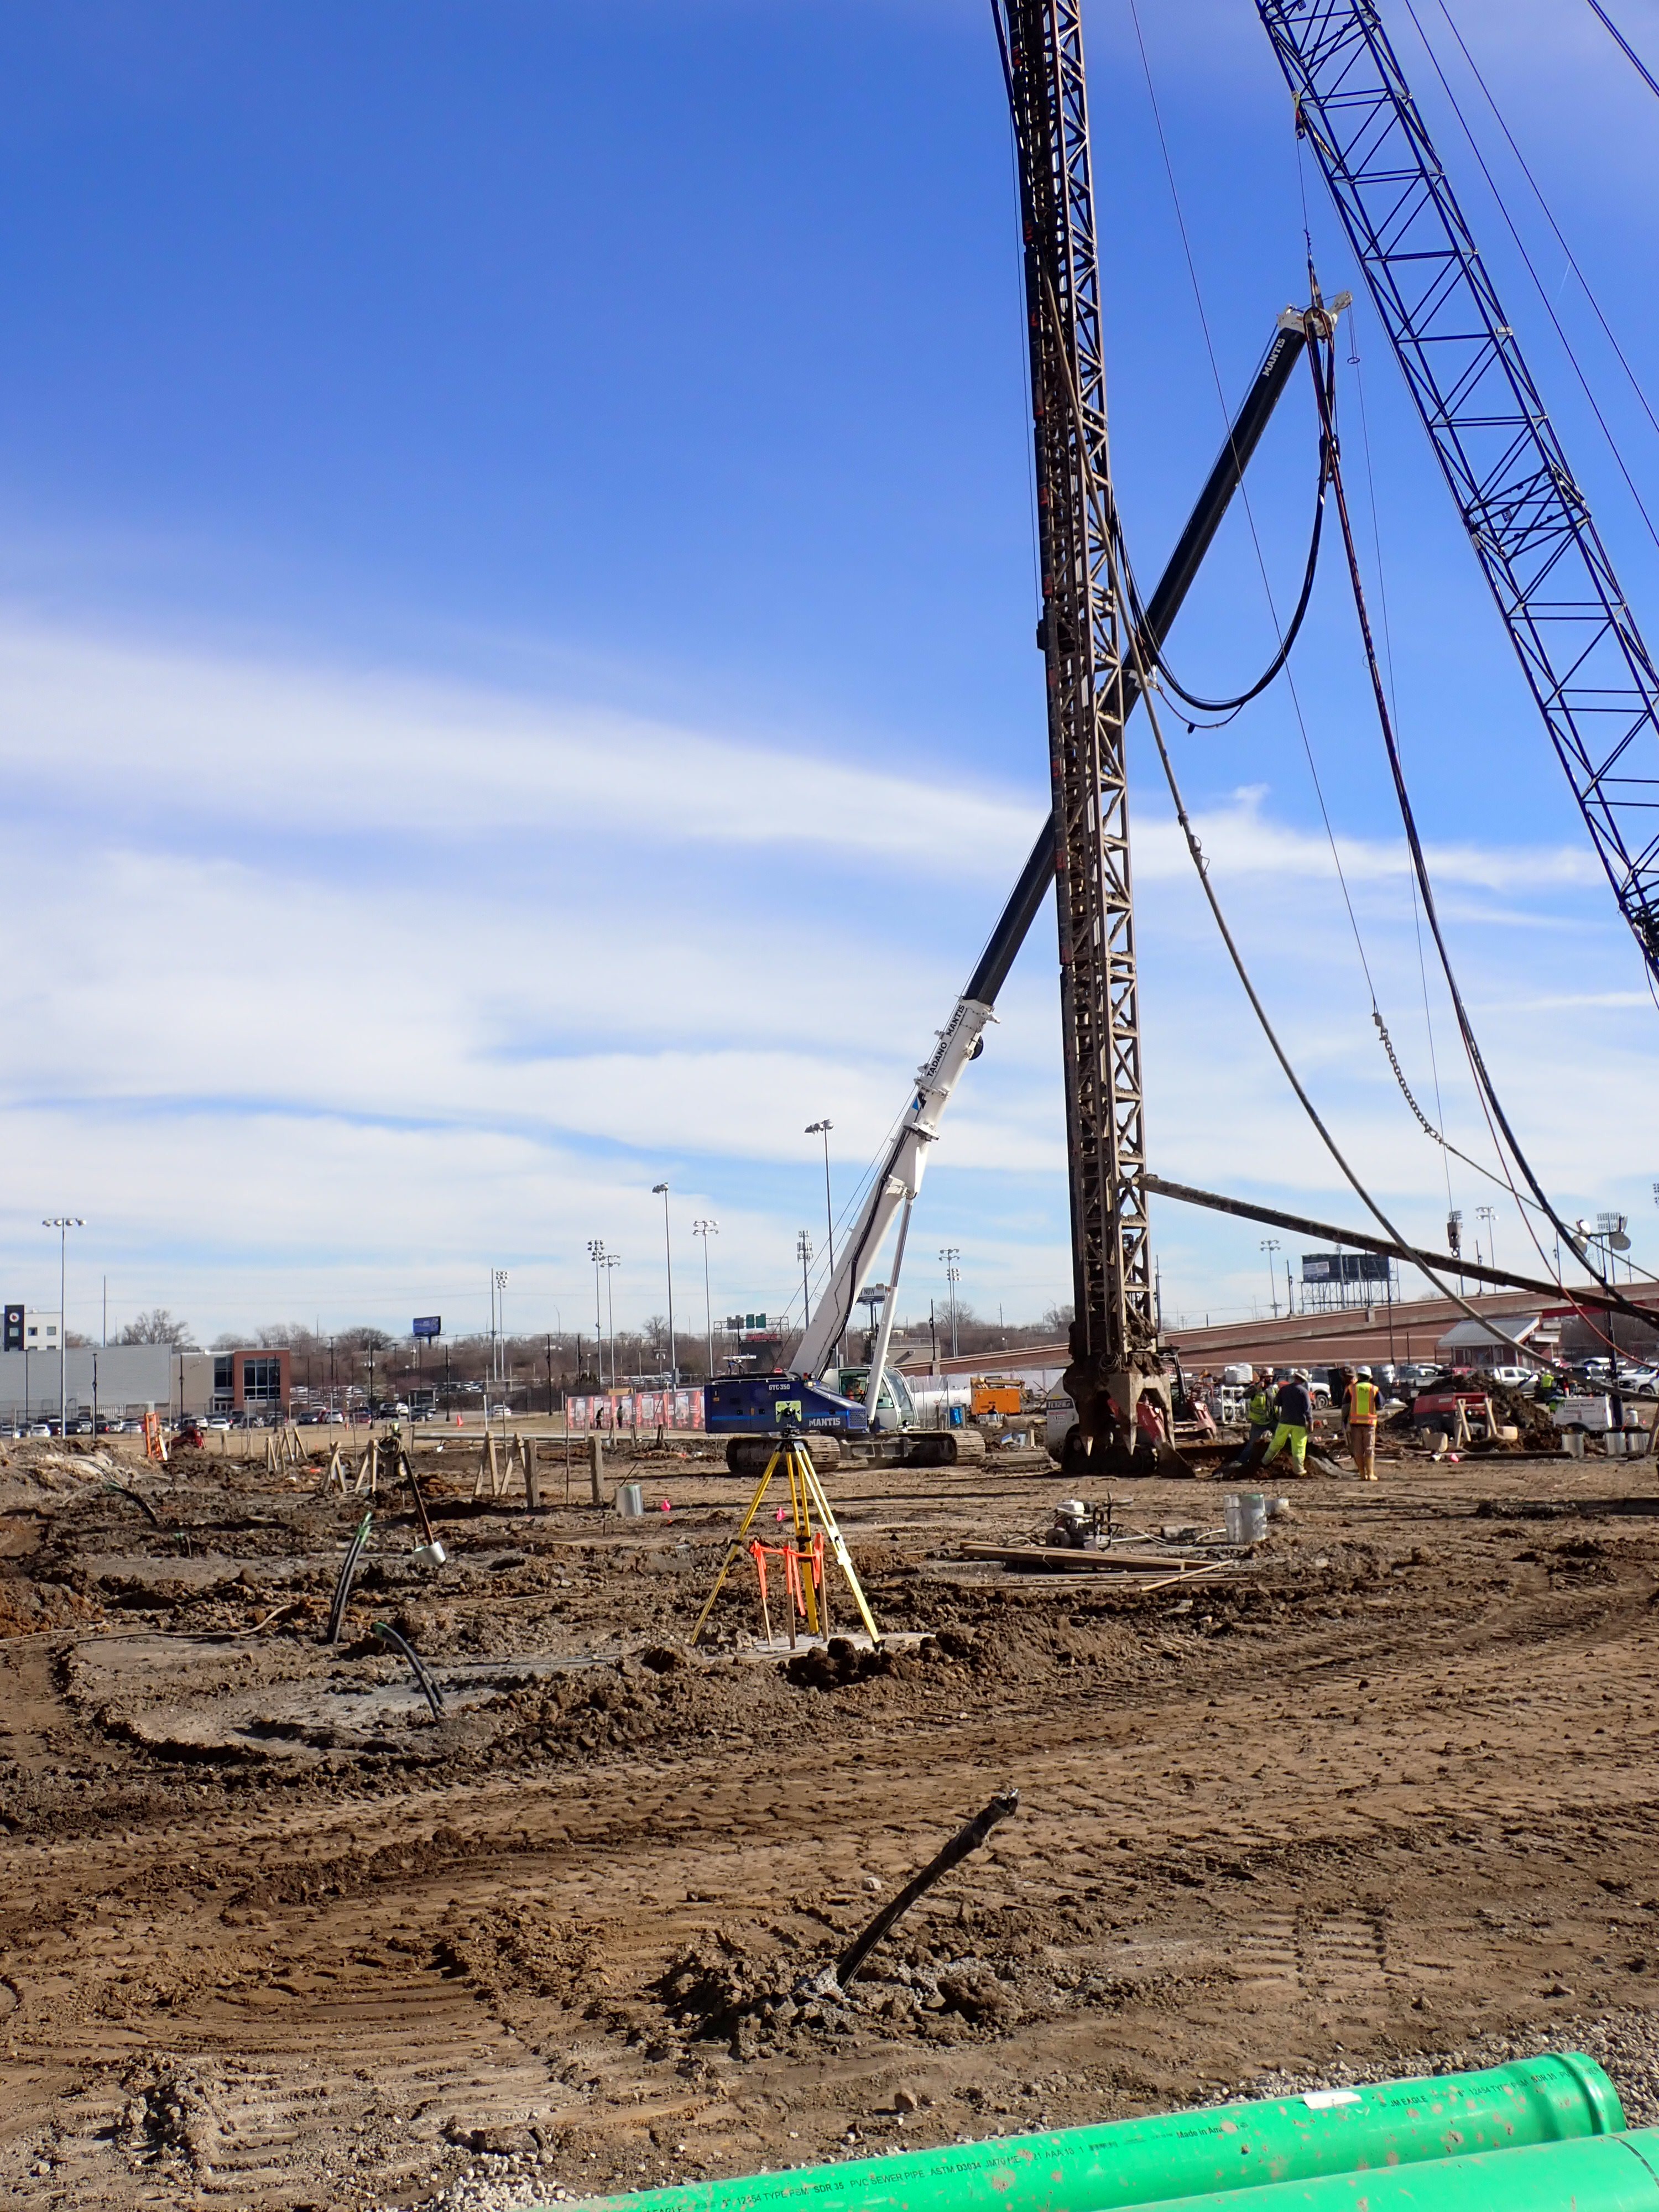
(629, 1409)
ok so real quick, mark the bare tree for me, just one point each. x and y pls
(1059, 1319)
(158, 1327)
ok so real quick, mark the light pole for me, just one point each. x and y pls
(62, 1223)
(661, 1190)
(596, 1253)
(1489, 1215)
(821, 1129)
(1270, 1245)
(498, 1322)
(950, 1254)
(612, 1259)
(705, 1230)
(803, 1252)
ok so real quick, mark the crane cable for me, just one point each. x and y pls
(1625, 47)
(1283, 660)
(1113, 548)
(1485, 1087)
(1538, 284)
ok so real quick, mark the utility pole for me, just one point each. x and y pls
(1113, 1337)
(661, 1190)
(1270, 1245)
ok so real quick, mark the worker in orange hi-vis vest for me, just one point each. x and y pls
(1362, 1399)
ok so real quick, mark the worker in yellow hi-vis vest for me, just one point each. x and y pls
(1362, 1400)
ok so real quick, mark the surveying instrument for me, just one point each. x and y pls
(813, 1528)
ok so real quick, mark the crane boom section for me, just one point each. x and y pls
(1085, 652)
(898, 1178)
(1527, 518)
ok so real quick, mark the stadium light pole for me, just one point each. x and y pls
(705, 1230)
(821, 1129)
(661, 1190)
(62, 1223)
(1270, 1245)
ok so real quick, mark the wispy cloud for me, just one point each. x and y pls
(341, 987)
(242, 744)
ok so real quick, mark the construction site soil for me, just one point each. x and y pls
(1377, 1790)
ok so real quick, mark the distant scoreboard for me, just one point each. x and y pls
(428, 1325)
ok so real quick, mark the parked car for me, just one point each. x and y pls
(219, 1421)
(40, 1428)
(1512, 1378)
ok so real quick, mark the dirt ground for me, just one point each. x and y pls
(270, 1936)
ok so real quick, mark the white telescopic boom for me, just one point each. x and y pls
(896, 1182)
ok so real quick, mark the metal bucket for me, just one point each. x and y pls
(630, 1501)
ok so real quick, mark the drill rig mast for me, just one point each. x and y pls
(1085, 646)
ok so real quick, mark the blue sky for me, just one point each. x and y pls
(516, 604)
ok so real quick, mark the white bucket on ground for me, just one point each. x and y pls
(1245, 1514)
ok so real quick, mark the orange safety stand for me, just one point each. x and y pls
(796, 1593)
(155, 1443)
(807, 1504)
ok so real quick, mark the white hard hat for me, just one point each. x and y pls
(1363, 1371)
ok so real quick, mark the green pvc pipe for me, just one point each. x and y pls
(1141, 2162)
(1598, 2174)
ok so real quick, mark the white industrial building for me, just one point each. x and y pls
(124, 1379)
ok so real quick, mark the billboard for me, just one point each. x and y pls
(428, 1325)
(1345, 1267)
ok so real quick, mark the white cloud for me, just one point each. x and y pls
(293, 752)
(283, 1074)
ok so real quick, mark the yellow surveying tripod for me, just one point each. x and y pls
(806, 1501)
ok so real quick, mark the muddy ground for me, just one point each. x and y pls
(271, 1935)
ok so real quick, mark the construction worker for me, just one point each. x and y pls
(1362, 1400)
(1293, 1416)
(1259, 1406)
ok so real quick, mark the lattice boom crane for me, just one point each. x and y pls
(1529, 522)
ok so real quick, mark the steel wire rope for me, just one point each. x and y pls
(1625, 48)
(1432, 1129)
(1357, 367)
(1114, 564)
(1296, 700)
(1527, 262)
(1243, 489)
(1548, 213)
(1486, 1089)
